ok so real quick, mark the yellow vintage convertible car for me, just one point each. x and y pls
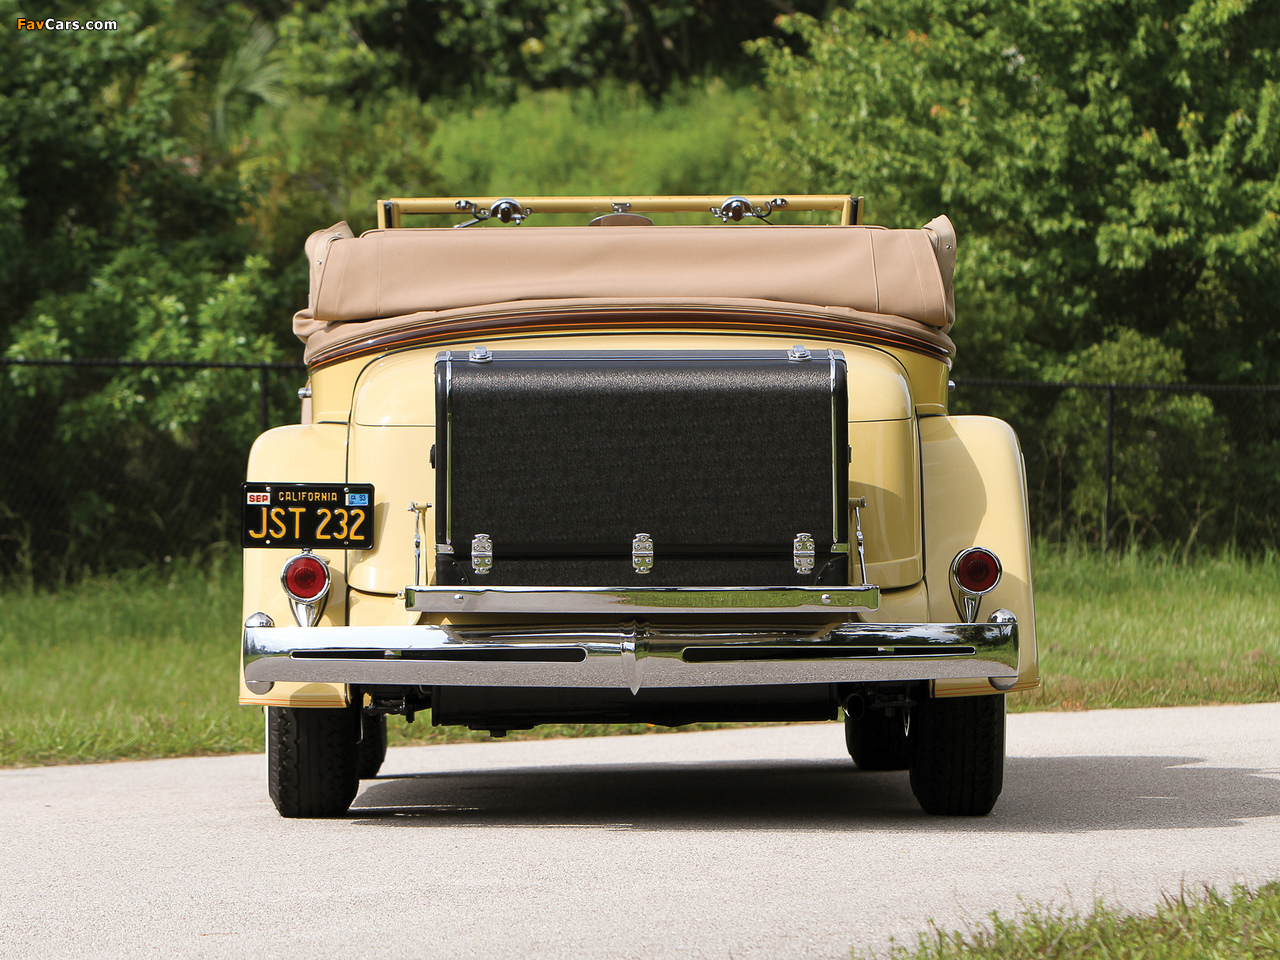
(615, 471)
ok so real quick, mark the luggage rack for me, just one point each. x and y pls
(517, 209)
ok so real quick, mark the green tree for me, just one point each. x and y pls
(122, 236)
(1109, 164)
(320, 161)
(609, 139)
(497, 47)
(94, 150)
(111, 467)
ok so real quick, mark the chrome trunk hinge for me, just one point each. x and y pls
(802, 552)
(642, 553)
(481, 553)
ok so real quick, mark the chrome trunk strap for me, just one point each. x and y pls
(419, 528)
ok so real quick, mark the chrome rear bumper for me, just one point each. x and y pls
(631, 654)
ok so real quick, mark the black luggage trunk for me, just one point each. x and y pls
(562, 460)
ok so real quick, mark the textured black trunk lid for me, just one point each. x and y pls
(562, 459)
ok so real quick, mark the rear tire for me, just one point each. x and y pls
(312, 760)
(878, 740)
(957, 755)
(373, 745)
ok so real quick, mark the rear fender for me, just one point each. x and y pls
(975, 494)
(311, 453)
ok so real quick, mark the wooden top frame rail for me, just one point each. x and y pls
(390, 210)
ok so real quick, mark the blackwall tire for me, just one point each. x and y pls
(877, 741)
(957, 754)
(312, 760)
(373, 745)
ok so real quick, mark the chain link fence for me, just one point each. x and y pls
(1175, 465)
(112, 464)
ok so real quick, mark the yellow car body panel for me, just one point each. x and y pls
(393, 424)
(976, 495)
(375, 420)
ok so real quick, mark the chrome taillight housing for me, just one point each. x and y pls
(305, 578)
(975, 572)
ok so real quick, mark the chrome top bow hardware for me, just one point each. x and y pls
(506, 210)
(735, 208)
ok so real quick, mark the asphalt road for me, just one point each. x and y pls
(761, 842)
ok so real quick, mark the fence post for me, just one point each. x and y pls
(263, 370)
(1106, 466)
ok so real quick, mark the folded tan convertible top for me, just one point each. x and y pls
(365, 289)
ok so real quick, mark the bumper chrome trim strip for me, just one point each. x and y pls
(629, 601)
(629, 654)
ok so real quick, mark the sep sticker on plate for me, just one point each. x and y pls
(307, 515)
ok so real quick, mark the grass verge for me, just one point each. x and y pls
(143, 664)
(1207, 927)
(138, 665)
(1146, 631)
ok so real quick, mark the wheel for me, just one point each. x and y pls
(957, 754)
(878, 740)
(312, 760)
(373, 745)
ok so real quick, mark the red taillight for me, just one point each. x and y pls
(305, 577)
(977, 570)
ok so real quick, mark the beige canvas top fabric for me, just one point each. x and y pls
(327, 340)
(361, 286)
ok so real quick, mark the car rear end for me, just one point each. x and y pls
(598, 509)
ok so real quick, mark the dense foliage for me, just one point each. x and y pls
(1113, 167)
(1113, 170)
(494, 48)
